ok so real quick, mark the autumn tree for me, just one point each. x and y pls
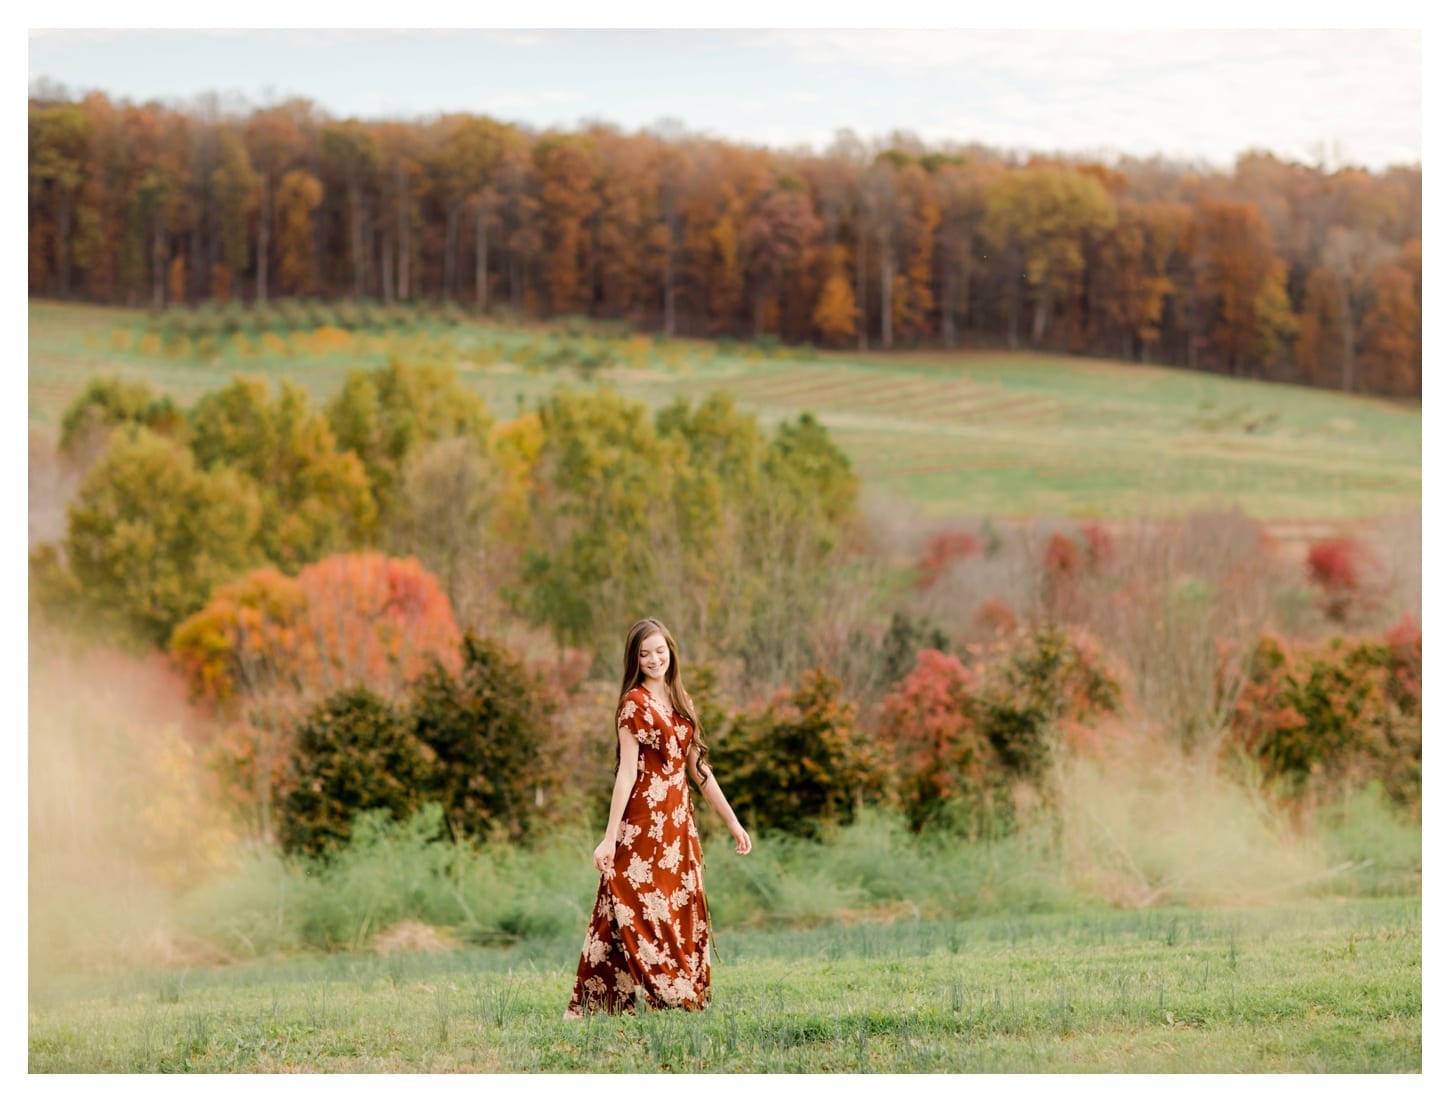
(298, 196)
(1317, 349)
(1391, 333)
(724, 261)
(626, 226)
(315, 498)
(59, 140)
(383, 415)
(919, 217)
(272, 139)
(1236, 259)
(835, 313)
(265, 649)
(880, 211)
(150, 534)
(1274, 322)
(671, 168)
(236, 188)
(964, 188)
(1132, 284)
(775, 238)
(929, 731)
(567, 200)
(108, 402)
(353, 151)
(471, 150)
(1041, 218)
(1353, 255)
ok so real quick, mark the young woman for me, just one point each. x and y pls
(649, 937)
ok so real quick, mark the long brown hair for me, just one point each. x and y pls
(674, 684)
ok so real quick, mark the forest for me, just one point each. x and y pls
(1273, 270)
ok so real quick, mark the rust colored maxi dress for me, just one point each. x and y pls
(648, 938)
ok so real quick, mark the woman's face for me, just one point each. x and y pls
(654, 656)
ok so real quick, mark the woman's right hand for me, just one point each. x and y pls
(604, 855)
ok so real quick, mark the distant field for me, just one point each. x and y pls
(981, 433)
(1321, 987)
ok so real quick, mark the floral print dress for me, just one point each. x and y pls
(648, 938)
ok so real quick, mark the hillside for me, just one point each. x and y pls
(1012, 435)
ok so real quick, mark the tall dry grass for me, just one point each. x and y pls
(52, 481)
(122, 811)
(1177, 602)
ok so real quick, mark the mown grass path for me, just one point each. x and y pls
(1323, 987)
(1012, 435)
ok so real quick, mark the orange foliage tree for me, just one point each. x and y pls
(1318, 716)
(268, 647)
(835, 312)
(1236, 259)
(567, 201)
(1392, 333)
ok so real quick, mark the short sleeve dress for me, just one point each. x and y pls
(648, 937)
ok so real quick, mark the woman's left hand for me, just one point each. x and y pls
(742, 839)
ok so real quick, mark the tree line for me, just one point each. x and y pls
(1272, 270)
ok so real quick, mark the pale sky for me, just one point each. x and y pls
(1340, 96)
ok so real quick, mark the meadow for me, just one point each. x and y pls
(1328, 987)
(1163, 917)
(994, 433)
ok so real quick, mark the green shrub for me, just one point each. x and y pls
(1037, 687)
(353, 752)
(1318, 717)
(800, 762)
(487, 734)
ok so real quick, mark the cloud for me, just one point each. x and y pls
(528, 101)
(1207, 93)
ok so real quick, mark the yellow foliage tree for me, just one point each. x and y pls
(835, 314)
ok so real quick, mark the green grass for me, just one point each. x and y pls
(984, 433)
(1327, 987)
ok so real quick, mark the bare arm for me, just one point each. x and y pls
(624, 779)
(710, 787)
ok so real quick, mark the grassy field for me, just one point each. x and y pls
(1324, 987)
(1013, 435)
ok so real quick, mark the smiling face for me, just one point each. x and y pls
(654, 656)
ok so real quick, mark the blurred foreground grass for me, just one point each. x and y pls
(1332, 986)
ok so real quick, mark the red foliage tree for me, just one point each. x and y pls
(1343, 570)
(1098, 542)
(268, 647)
(943, 549)
(1315, 717)
(995, 616)
(928, 724)
(1061, 558)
